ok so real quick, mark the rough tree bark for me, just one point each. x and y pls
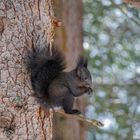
(22, 22)
(70, 38)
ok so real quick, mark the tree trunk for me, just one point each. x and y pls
(70, 38)
(22, 23)
(73, 26)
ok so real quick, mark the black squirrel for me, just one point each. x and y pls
(51, 85)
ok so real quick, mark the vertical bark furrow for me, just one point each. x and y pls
(22, 22)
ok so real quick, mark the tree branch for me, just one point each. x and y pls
(135, 3)
(81, 118)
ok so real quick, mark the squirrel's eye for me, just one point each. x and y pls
(85, 78)
(85, 65)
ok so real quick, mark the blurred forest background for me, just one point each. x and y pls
(112, 44)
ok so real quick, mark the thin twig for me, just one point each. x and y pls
(132, 19)
(122, 10)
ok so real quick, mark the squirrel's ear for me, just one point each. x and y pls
(85, 62)
(82, 61)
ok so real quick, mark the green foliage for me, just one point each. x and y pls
(112, 42)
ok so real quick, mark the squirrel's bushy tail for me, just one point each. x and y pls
(43, 67)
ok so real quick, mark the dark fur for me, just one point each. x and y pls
(52, 86)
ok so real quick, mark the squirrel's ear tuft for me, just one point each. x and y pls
(82, 61)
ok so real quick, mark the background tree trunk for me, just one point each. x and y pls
(22, 23)
(70, 38)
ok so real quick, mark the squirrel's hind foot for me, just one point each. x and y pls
(73, 111)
